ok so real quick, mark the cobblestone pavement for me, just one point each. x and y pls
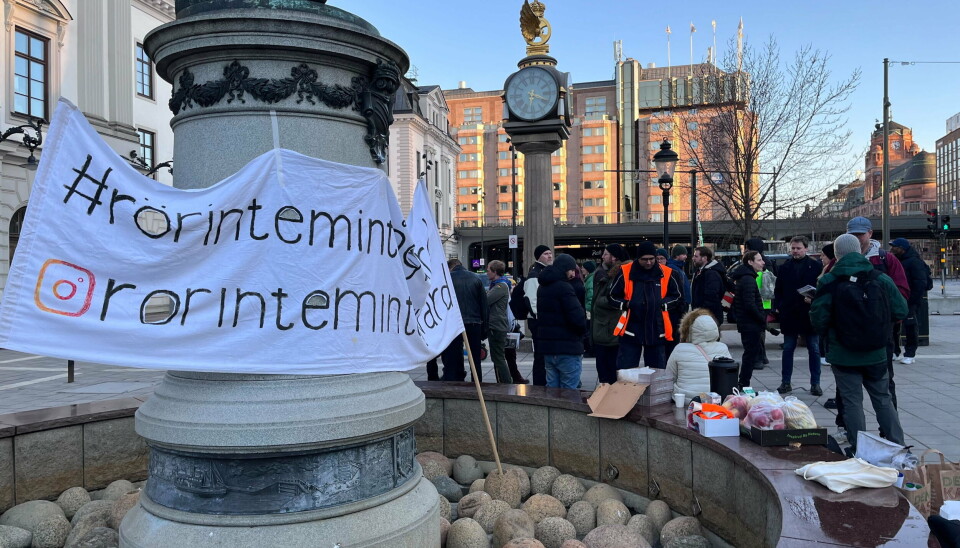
(928, 390)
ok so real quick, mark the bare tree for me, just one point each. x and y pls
(787, 118)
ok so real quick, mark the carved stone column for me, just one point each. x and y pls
(279, 460)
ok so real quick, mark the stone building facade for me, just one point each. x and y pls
(90, 53)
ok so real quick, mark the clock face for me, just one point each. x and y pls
(896, 145)
(532, 94)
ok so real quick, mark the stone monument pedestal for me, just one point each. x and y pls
(279, 460)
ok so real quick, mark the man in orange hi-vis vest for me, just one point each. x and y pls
(647, 292)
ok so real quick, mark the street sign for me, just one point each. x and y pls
(716, 178)
(512, 241)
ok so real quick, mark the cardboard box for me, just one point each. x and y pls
(649, 398)
(803, 436)
(716, 428)
(614, 401)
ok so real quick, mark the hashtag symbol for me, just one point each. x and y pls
(81, 177)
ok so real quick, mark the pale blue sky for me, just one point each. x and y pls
(480, 42)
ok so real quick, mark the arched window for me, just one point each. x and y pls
(16, 225)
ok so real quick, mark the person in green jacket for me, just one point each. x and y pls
(855, 370)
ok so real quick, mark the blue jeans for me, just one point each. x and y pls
(563, 370)
(813, 353)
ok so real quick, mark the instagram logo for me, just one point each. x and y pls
(64, 288)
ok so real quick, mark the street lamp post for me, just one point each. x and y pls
(666, 162)
(694, 241)
(513, 219)
(480, 212)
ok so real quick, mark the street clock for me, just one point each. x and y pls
(532, 94)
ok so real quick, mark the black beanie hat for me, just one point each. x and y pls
(617, 251)
(565, 262)
(537, 251)
(646, 248)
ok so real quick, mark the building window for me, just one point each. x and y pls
(502, 137)
(587, 185)
(694, 144)
(594, 149)
(503, 155)
(473, 115)
(472, 140)
(463, 207)
(556, 186)
(468, 174)
(692, 125)
(557, 168)
(30, 75)
(654, 127)
(558, 152)
(653, 199)
(148, 144)
(144, 71)
(503, 206)
(594, 167)
(596, 107)
(594, 131)
(471, 157)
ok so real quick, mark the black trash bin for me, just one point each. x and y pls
(723, 376)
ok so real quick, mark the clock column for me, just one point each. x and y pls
(538, 188)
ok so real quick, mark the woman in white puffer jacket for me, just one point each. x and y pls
(688, 363)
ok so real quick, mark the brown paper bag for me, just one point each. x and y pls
(944, 480)
(920, 498)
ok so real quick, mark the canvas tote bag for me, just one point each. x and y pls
(844, 475)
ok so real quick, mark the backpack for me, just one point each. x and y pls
(768, 285)
(860, 301)
(517, 305)
(929, 277)
(511, 317)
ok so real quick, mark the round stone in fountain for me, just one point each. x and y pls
(683, 526)
(444, 530)
(554, 531)
(14, 537)
(612, 512)
(467, 533)
(524, 543)
(659, 514)
(583, 516)
(567, 489)
(601, 492)
(540, 507)
(28, 515)
(477, 485)
(614, 536)
(522, 477)
(445, 509)
(642, 524)
(505, 487)
(513, 524)
(573, 544)
(440, 462)
(542, 479)
(488, 514)
(692, 541)
(117, 489)
(466, 470)
(471, 503)
(448, 488)
(51, 532)
(72, 499)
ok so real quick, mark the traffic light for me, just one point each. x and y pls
(933, 220)
(945, 223)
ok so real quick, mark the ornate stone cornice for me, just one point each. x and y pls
(163, 10)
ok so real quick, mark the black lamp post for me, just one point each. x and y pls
(480, 214)
(666, 162)
(513, 219)
(31, 142)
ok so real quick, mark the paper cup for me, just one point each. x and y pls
(679, 399)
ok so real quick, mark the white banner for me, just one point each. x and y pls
(293, 265)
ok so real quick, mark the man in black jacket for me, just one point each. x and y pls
(709, 283)
(523, 304)
(748, 309)
(472, 298)
(793, 309)
(562, 323)
(647, 292)
(918, 277)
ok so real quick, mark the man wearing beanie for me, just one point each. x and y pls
(862, 229)
(561, 325)
(677, 261)
(604, 314)
(525, 297)
(858, 357)
(646, 293)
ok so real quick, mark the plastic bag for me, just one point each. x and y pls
(738, 404)
(767, 397)
(879, 451)
(796, 414)
(765, 416)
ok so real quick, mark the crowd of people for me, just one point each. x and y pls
(849, 309)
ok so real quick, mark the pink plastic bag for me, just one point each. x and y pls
(765, 416)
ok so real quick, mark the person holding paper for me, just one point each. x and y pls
(793, 308)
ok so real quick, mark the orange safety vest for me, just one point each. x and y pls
(621, 327)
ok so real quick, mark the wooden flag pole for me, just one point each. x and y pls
(483, 405)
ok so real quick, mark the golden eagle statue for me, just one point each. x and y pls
(535, 28)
